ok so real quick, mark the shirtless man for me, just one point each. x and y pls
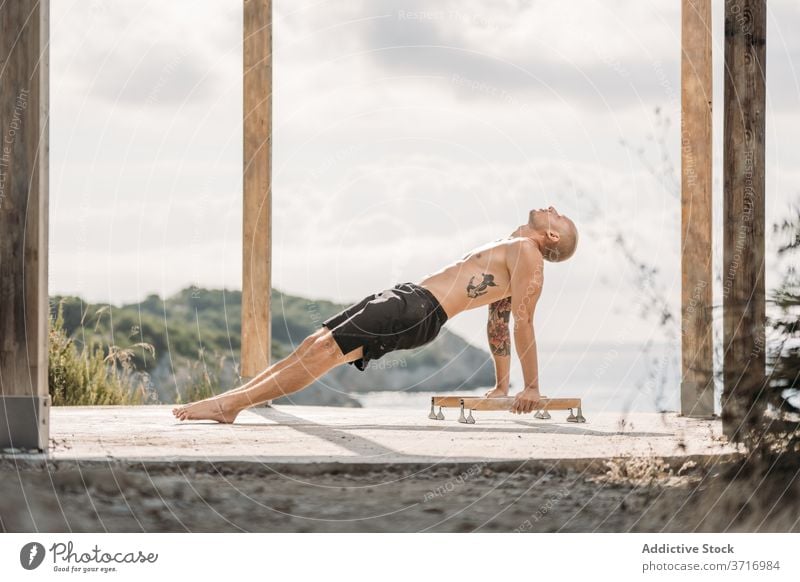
(506, 274)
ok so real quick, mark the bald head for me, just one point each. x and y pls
(563, 248)
(559, 235)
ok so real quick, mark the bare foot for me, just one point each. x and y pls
(496, 393)
(211, 408)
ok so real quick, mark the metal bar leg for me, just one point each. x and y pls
(432, 414)
(461, 418)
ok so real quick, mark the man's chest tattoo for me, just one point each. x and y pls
(481, 288)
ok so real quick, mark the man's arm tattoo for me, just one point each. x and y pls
(497, 327)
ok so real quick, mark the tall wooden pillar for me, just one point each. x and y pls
(257, 264)
(24, 92)
(697, 352)
(743, 269)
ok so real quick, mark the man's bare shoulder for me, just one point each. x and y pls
(520, 243)
(524, 249)
(525, 265)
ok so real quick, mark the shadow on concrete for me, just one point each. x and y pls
(577, 429)
(359, 445)
(336, 435)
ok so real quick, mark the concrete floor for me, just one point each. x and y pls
(315, 435)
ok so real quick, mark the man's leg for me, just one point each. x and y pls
(317, 354)
(279, 365)
(332, 322)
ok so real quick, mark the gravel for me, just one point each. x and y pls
(69, 497)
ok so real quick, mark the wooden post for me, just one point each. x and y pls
(256, 267)
(697, 384)
(743, 270)
(24, 91)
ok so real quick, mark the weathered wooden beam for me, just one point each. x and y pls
(697, 352)
(24, 100)
(257, 194)
(743, 230)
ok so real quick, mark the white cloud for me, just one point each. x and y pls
(390, 159)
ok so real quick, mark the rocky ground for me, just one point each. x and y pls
(636, 495)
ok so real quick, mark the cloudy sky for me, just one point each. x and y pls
(405, 133)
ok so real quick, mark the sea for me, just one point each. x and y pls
(617, 379)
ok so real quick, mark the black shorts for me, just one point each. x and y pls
(403, 317)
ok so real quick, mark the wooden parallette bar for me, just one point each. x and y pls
(475, 403)
(478, 403)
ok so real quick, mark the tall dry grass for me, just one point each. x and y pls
(91, 375)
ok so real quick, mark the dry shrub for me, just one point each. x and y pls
(90, 377)
(644, 472)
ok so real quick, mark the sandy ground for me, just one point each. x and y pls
(639, 495)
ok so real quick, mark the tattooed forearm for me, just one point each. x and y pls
(497, 327)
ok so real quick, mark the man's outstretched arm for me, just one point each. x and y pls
(500, 344)
(526, 266)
